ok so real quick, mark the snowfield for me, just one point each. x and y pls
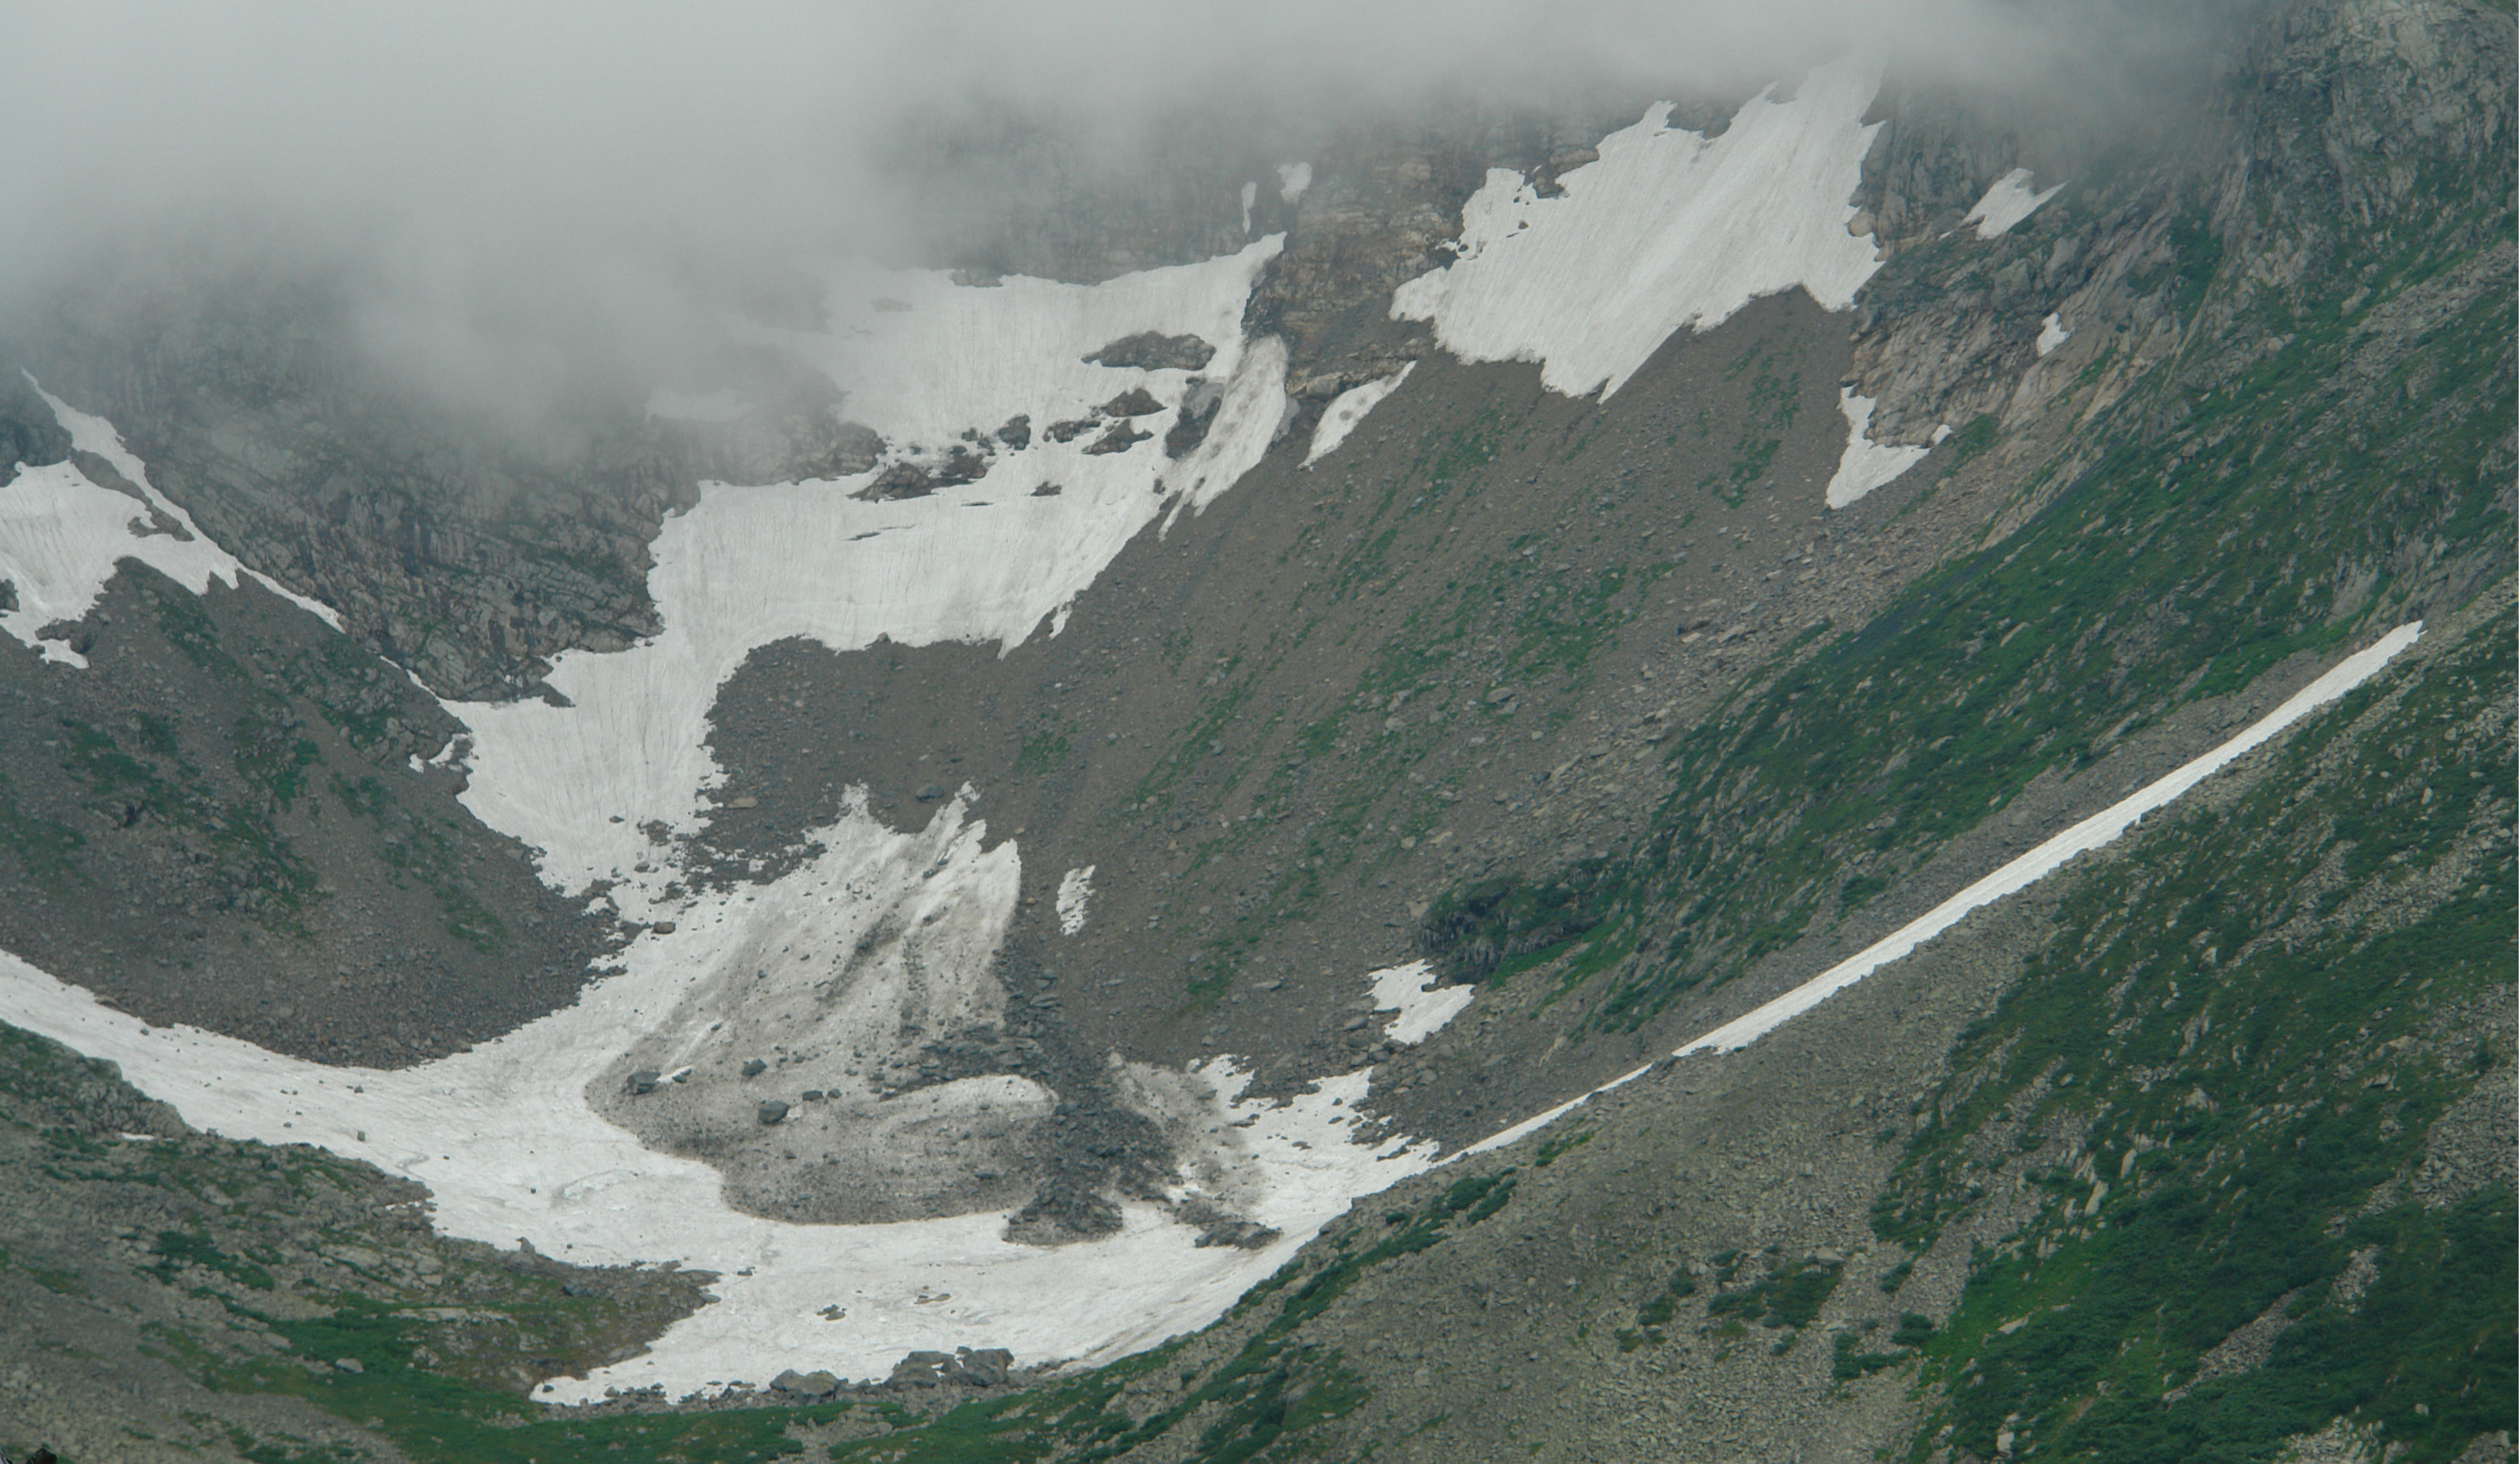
(1667, 229)
(503, 1137)
(62, 534)
(988, 561)
(831, 959)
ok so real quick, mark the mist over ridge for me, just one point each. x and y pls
(511, 209)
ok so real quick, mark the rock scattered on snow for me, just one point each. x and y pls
(1149, 350)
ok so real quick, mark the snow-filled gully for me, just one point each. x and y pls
(1666, 229)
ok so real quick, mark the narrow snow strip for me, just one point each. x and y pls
(1424, 1007)
(1250, 196)
(1666, 229)
(2093, 832)
(1293, 179)
(1075, 892)
(1865, 464)
(2007, 203)
(2052, 333)
(1249, 419)
(1348, 409)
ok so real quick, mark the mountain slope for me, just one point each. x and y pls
(1617, 710)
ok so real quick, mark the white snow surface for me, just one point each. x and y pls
(1865, 464)
(2008, 202)
(503, 1137)
(988, 561)
(1348, 409)
(1250, 196)
(1075, 893)
(2052, 333)
(1666, 229)
(60, 537)
(2095, 832)
(1424, 1009)
(1293, 179)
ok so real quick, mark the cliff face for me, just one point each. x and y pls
(1606, 707)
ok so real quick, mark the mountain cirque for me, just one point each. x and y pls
(2198, 1148)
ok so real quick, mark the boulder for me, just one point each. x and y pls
(920, 1369)
(772, 1112)
(1150, 351)
(644, 1081)
(805, 1385)
(1119, 440)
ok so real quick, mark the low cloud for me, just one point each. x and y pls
(505, 193)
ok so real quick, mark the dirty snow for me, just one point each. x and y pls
(2052, 333)
(60, 537)
(1424, 1007)
(2008, 202)
(1293, 179)
(2095, 832)
(1349, 408)
(503, 1138)
(1075, 892)
(1666, 229)
(1865, 464)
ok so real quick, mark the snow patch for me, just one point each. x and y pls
(61, 536)
(1293, 179)
(1250, 196)
(1075, 892)
(2052, 333)
(1348, 409)
(2095, 832)
(1424, 1007)
(1666, 229)
(1865, 464)
(2008, 202)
